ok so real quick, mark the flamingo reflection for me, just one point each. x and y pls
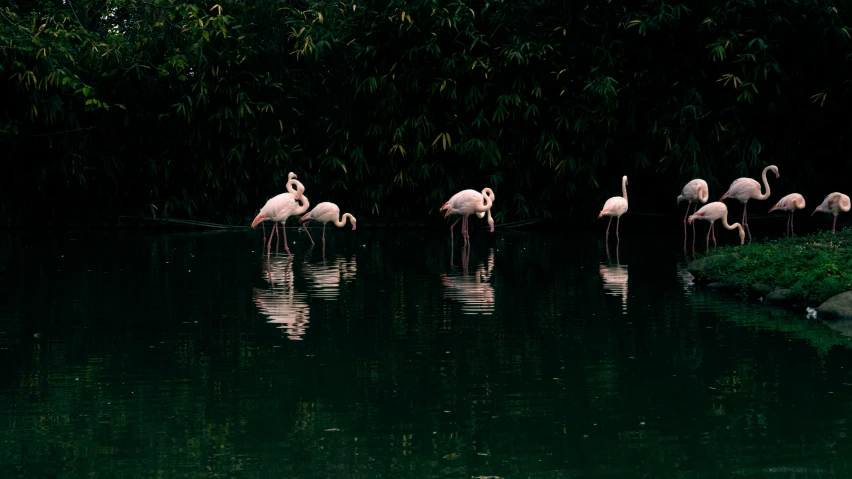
(615, 279)
(281, 303)
(475, 293)
(324, 279)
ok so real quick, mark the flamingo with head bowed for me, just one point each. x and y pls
(834, 203)
(281, 207)
(712, 212)
(744, 189)
(325, 212)
(615, 206)
(791, 203)
(694, 192)
(468, 202)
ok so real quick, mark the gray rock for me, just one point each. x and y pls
(782, 296)
(760, 289)
(837, 306)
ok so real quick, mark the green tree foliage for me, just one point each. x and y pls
(201, 109)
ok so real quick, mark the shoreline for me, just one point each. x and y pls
(811, 273)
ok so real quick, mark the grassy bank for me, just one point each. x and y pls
(814, 267)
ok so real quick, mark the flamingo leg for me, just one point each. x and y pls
(464, 227)
(617, 222)
(684, 223)
(269, 246)
(305, 227)
(607, 227)
(452, 226)
(709, 230)
(790, 221)
(286, 246)
(745, 220)
(323, 234)
(713, 229)
(834, 224)
(693, 223)
(264, 231)
(309, 235)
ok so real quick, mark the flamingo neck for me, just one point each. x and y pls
(765, 185)
(624, 188)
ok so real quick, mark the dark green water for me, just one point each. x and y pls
(139, 355)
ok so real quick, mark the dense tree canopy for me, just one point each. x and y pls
(200, 109)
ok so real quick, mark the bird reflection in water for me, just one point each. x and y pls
(324, 278)
(281, 303)
(474, 292)
(686, 278)
(615, 278)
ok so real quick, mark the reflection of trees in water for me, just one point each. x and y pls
(474, 292)
(281, 303)
(694, 384)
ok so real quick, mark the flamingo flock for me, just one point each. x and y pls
(469, 202)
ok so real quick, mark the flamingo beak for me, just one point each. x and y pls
(257, 220)
(353, 226)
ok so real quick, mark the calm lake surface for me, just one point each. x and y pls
(391, 355)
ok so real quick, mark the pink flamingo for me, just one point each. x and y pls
(834, 203)
(467, 202)
(293, 186)
(744, 189)
(325, 212)
(712, 212)
(695, 191)
(616, 206)
(791, 203)
(279, 208)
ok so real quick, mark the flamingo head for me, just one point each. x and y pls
(775, 170)
(742, 234)
(257, 219)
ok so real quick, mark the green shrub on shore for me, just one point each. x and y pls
(814, 267)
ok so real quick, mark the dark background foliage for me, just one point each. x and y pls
(199, 110)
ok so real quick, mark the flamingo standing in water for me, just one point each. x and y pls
(694, 192)
(325, 212)
(791, 203)
(616, 206)
(281, 207)
(295, 187)
(467, 202)
(834, 203)
(744, 189)
(712, 212)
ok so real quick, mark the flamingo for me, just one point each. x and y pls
(744, 189)
(712, 212)
(325, 212)
(695, 191)
(616, 206)
(279, 208)
(296, 187)
(791, 203)
(467, 202)
(834, 203)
